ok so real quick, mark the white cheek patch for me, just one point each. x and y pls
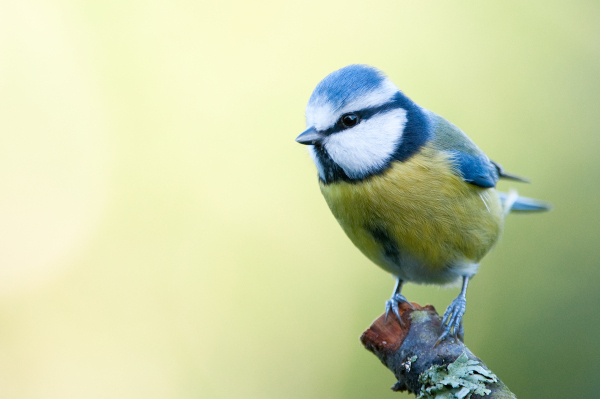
(367, 147)
(321, 115)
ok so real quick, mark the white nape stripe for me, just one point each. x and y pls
(368, 146)
(321, 115)
(381, 95)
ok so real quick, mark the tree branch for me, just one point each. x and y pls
(408, 349)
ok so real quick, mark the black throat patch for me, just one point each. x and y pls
(332, 171)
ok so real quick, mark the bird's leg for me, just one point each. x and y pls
(396, 299)
(452, 321)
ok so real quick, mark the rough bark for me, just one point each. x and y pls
(448, 370)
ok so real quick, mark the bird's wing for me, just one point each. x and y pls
(469, 161)
(477, 170)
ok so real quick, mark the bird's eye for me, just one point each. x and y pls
(349, 120)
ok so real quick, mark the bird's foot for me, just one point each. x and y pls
(394, 305)
(452, 325)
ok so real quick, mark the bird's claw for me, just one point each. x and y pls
(394, 305)
(452, 325)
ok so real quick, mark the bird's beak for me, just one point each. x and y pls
(310, 136)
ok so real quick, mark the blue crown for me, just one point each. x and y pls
(346, 84)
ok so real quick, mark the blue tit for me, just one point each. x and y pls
(410, 189)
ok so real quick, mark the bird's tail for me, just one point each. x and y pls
(512, 202)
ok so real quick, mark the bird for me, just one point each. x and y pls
(410, 189)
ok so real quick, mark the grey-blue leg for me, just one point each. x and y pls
(452, 325)
(395, 300)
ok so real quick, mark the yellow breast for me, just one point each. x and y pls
(419, 209)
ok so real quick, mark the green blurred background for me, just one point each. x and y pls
(163, 236)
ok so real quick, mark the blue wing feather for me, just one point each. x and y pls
(469, 161)
(475, 169)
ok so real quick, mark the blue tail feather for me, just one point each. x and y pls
(524, 204)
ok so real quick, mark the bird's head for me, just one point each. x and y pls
(357, 122)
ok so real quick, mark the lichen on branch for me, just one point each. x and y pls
(446, 371)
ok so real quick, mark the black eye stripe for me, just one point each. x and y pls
(365, 114)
